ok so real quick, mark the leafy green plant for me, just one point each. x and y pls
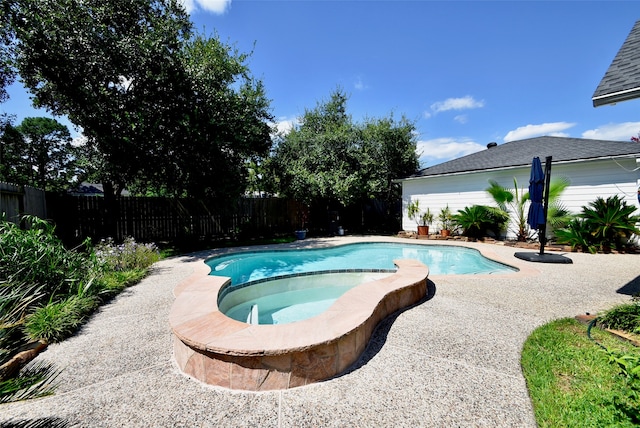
(514, 202)
(622, 317)
(18, 382)
(611, 222)
(511, 201)
(57, 321)
(445, 217)
(476, 220)
(34, 268)
(37, 256)
(116, 281)
(627, 398)
(421, 218)
(604, 224)
(35, 380)
(47, 292)
(129, 255)
(576, 234)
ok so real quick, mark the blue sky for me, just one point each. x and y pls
(467, 73)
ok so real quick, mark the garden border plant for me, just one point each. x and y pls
(603, 225)
(48, 291)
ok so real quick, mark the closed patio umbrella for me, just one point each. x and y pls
(537, 218)
(536, 189)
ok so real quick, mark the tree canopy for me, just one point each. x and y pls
(7, 71)
(163, 108)
(38, 153)
(328, 157)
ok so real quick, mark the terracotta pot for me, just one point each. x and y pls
(445, 232)
(423, 230)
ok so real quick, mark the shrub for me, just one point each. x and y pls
(113, 282)
(16, 381)
(577, 235)
(47, 292)
(604, 224)
(611, 222)
(622, 317)
(57, 321)
(37, 256)
(129, 255)
(476, 220)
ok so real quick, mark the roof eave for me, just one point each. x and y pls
(616, 97)
(561, 162)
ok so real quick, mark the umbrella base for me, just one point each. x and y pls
(543, 258)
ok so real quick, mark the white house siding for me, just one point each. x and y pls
(589, 179)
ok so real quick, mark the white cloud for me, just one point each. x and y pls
(216, 6)
(444, 149)
(464, 103)
(461, 118)
(614, 131)
(79, 140)
(360, 85)
(530, 131)
(284, 124)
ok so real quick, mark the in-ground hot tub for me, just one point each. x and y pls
(291, 298)
(218, 350)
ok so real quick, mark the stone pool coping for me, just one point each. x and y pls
(218, 350)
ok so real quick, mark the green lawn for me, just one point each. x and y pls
(572, 383)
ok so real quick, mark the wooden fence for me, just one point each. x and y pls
(148, 219)
(167, 219)
(16, 201)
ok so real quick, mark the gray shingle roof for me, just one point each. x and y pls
(621, 82)
(521, 152)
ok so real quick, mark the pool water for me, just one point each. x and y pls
(441, 260)
(291, 299)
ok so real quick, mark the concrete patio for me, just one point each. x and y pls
(451, 360)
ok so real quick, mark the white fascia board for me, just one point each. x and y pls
(507, 168)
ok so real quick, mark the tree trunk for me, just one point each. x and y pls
(110, 210)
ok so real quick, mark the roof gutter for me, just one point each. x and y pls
(616, 97)
(630, 156)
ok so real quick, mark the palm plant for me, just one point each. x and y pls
(604, 224)
(514, 202)
(446, 218)
(421, 218)
(576, 233)
(611, 222)
(477, 219)
(511, 201)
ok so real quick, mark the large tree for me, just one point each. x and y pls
(48, 153)
(318, 160)
(165, 109)
(13, 169)
(7, 71)
(329, 158)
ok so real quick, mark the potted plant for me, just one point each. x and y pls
(446, 221)
(422, 219)
(301, 233)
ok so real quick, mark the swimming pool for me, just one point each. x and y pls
(441, 259)
(219, 350)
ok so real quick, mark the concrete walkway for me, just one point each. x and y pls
(452, 360)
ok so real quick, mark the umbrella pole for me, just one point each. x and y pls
(542, 233)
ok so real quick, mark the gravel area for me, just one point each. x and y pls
(452, 360)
